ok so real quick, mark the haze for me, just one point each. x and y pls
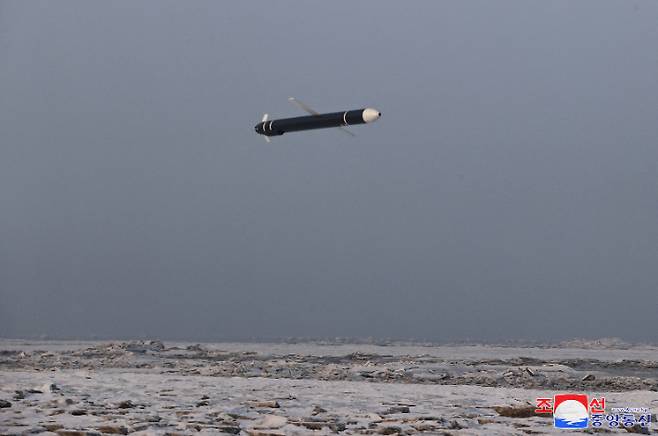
(509, 191)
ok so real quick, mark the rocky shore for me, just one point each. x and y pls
(149, 387)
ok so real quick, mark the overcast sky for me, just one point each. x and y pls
(509, 191)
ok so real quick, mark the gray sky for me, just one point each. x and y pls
(510, 189)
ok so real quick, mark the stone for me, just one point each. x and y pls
(455, 425)
(424, 427)
(77, 433)
(396, 409)
(143, 346)
(516, 412)
(127, 404)
(319, 425)
(264, 433)
(391, 429)
(271, 421)
(50, 387)
(313, 425)
(589, 377)
(317, 410)
(109, 429)
(272, 404)
(140, 426)
(4, 404)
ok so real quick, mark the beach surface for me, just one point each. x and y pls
(74, 388)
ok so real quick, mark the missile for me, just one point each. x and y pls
(315, 120)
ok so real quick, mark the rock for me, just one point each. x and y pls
(391, 429)
(426, 376)
(229, 429)
(19, 395)
(77, 433)
(396, 409)
(317, 410)
(319, 425)
(50, 387)
(196, 427)
(140, 426)
(271, 421)
(430, 418)
(424, 427)
(371, 417)
(195, 347)
(113, 429)
(454, 425)
(530, 371)
(313, 425)
(143, 346)
(264, 433)
(33, 429)
(127, 404)
(272, 404)
(516, 412)
(202, 403)
(4, 404)
(589, 377)
(78, 412)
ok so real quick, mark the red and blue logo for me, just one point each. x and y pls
(579, 411)
(570, 411)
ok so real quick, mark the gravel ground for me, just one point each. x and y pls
(147, 387)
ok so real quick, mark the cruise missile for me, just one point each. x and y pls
(315, 120)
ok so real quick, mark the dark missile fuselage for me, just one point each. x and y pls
(309, 122)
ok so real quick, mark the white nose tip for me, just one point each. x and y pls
(369, 115)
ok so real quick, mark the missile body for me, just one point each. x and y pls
(318, 121)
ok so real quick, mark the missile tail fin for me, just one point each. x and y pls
(349, 132)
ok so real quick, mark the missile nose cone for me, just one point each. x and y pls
(369, 115)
